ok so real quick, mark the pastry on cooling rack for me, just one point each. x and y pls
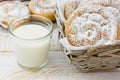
(94, 23)
(43, 8)
(10, 10)
(74, 4)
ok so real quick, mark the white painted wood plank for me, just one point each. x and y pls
(57, 68)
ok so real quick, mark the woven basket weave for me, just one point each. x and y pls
(94, 58)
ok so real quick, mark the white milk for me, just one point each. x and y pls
(31, 53)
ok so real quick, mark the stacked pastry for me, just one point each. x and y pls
(11, 9)
(43, 8)
(74, 4)
(92, 23)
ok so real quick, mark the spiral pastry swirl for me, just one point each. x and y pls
(93, 24)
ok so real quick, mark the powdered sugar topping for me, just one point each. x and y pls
(97, 25)
(45, 6)
(10, 10)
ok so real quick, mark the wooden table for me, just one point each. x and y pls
(57, 68)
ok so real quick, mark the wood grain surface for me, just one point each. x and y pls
(57, 68)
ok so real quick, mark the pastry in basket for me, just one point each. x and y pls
(70, 7)
(10, 10)
(115, 3)
(74, 4)
(43, 8)
(94, 23)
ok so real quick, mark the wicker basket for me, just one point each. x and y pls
(94, 58)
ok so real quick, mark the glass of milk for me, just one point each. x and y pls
(31, 37)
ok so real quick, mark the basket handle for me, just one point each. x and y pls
(60, 23)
